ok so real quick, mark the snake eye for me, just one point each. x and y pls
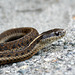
(57, 33)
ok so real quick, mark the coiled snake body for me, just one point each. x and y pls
(22, 43)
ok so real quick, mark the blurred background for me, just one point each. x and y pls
(40, 14)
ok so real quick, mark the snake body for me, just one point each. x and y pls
(19, 44)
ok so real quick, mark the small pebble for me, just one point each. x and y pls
(36, 69)
(22, 71)
(69, 50)
(20, 64)
(65, 43)
(60, 40)
(60, 59)
(73, 52)
(27, 61)
(7, 72)
(31, 64)
(73, 44)
(65, 47)
(14, 64)
(69, 69)
(23, 67)
(47, 59)
(54, 44)
(59, 44)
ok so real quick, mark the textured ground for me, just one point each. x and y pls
(57, 58)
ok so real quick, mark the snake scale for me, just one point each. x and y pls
(19, 44)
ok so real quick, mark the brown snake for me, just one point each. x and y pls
(19, 44)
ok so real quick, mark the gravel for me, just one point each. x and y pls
(57, 58)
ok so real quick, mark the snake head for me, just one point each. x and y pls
(52, 35)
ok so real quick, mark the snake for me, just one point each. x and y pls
(20, 44)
